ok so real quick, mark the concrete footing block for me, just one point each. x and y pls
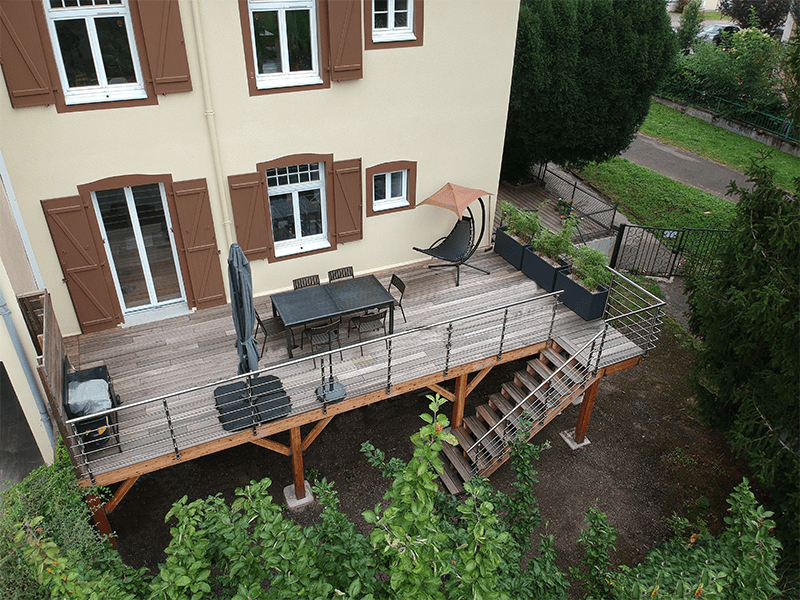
(292, 501)
(569, 437)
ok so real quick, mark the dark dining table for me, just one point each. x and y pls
(316, 303)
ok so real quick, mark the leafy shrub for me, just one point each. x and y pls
(589, 267)
(553, 245)
(50, 506)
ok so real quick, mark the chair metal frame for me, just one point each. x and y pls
(401, 287)
(325, 329)
(342, 273)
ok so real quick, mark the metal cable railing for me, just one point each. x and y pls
(172, 423)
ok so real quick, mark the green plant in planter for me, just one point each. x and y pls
(553, 245)
(589, 267)
(523, 224)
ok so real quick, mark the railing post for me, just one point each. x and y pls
(82, 450)
(617, 246)
(389, 366)
(171, 430)
(447, 346)
(600, 350)
(502, 335)
(552, 321)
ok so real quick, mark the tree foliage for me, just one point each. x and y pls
(747, 315)
(584, 72)
(691, 24)
(770, 14)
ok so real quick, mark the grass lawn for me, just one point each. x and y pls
(649, 198)
(733, 150)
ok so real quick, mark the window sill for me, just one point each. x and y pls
(72, 98)
(378, 38)
(274, 83)
(289, 249)
(389, 205)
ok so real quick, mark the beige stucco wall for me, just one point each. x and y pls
(443, 105)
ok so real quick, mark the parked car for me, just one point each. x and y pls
(714, 33)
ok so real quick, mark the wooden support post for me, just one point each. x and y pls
(297, 463)
(459, 401)
(120, 494)
(100, 518)
(586, 412)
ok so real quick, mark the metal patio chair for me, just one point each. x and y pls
(323, 336)
(367, 324)
(398, 284)
(304, 282)
(343, 273)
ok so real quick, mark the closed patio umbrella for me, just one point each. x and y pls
(244, 312)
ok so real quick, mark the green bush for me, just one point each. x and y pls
(524, 224)
(553, 245)
(50, 498)
(589, 266)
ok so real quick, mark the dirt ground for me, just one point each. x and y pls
(649, 457)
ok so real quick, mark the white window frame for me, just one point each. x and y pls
(300, 243)
(103, 92)
(265, 81)
(392, 33)
(390, 202)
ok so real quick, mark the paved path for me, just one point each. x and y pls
(683, 166)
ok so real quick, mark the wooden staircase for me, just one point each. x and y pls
(527, 394)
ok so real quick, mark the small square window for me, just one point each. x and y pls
(391, 187)
(392, 20)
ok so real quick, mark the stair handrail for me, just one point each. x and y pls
(560, 369)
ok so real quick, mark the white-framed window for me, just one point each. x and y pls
(392, 20)
(95, 50)
(298, 208)
(285, 42)
(389, 190)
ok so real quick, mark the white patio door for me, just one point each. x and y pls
(136, 227)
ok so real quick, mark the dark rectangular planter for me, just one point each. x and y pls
(541, 270)
(587, 305)
(508, 247)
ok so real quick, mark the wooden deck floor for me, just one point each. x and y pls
(196, 352)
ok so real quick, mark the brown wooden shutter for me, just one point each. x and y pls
(347, 200)
(197, 243)
(250, 216)
(165, 46)
(344, 21)
(23, 57)
(76, 237)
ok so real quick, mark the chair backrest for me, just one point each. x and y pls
(459, 241)
(333, 327)
(398, 283)
(343, 273)
(379, 317)
(303, 282)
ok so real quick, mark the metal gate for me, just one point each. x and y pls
(664, 252)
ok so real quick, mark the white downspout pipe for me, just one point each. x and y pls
(26, 242)
(222, 193)
(26, 367)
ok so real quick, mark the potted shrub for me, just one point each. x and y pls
(544, 257)
(511, 239)
(585, 283)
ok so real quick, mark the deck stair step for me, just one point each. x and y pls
(561, 385)
(514, 392)
(465, 441)
(449, 477)
(456, 457)
(501, 403)
(571, 369)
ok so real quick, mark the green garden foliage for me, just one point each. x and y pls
(44, 520)
(584, 72)
(739, 564)
(424, 545)
(747, 316)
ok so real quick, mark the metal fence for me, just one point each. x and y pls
(174, 423)
(596, 214)
(776, 125)
(664, 252)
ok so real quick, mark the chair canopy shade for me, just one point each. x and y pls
(243, 309)
(455, 197)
